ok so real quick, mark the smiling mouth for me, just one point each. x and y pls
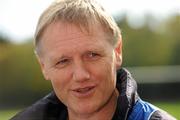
(84, 92)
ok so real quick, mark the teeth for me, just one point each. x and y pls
(83, 89)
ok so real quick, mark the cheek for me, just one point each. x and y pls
(108, 68)
(59, 77)
(60, 82)
(105, 72)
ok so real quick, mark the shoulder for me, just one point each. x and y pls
(47, 107)
(161, 115)
(146, 111)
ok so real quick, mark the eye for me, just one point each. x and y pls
(62, 63)
(92, 55)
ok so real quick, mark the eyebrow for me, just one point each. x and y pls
(61, 57)
(92, 48)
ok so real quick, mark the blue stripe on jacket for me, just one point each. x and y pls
(142, 111)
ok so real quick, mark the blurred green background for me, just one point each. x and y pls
(150, 52)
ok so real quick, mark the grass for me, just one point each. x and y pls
(7, 114)
(171, 107)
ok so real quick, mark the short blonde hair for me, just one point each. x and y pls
(82, 13)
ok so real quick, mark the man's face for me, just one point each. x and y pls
(81, 66)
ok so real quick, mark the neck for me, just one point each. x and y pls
(106, 112)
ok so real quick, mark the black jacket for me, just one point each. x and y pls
(129, 105)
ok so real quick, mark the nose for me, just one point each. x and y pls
(80, 72)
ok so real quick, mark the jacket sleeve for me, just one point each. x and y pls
(161, 115)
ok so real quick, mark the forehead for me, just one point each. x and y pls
(64, 35)
(70, 30)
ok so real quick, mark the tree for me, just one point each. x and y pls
(3, 39)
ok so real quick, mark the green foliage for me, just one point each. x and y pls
(145, 47)
(3, 39)
(173, 30)
(20, 74)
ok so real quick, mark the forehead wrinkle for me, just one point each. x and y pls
(69, 30)
(75, 46)
(71, 33)
(74, 49)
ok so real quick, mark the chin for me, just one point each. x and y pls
(85, 109)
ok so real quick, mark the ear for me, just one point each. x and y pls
(43, 67)
(118, 54)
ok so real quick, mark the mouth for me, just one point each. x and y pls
(84, 92)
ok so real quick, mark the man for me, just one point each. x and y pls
(79, 48)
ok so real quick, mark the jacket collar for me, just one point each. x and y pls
(127, 88)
